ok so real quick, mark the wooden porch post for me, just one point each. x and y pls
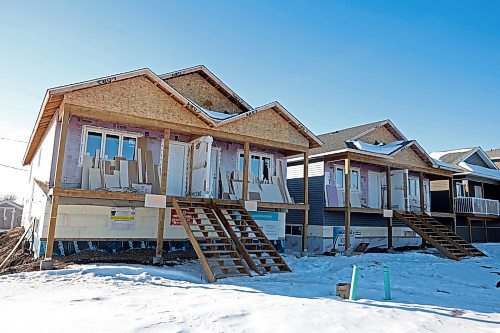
(163, 191)
(57, 184)
(347, 202)
(305, 221)
(470, 230)
(422, 193)
(485, 231)
(451, 194)
(389, 206)
(405, 189)
(246, 167)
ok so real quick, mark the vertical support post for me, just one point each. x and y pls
(470, 230)
(57, 184)
(452, 195)
(485, 231)
(305, 220)
(246, 167)
(422, 193)
(163, 191)
(405, 189)
(347, 202)
(389, 206)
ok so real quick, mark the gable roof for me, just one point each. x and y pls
(214, 81)
(11, 203)
(340, 139)
(456, 156)
(54, 97)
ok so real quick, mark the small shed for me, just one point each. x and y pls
(10, 214)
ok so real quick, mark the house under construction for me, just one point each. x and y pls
(171, 161)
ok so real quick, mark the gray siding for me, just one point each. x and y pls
(316, 200)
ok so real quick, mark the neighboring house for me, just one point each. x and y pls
(363, 159)
(10, 214)
(494, 154)
(476, 193)
(99, 148)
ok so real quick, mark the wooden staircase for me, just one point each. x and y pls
(210, 241)
(447, 242)
(250, 240)
(470, 249)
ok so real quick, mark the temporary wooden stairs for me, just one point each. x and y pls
(436, 234)
(252, 243)
(210, 241)
(226, 239)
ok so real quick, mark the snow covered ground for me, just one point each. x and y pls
(430, 294)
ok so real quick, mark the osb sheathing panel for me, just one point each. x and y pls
(136, 96)
(266, 124)
(409, 157)
(381, 134)
(199, 90)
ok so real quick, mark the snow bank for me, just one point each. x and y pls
(430, 294)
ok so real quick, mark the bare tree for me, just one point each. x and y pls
(8, 197)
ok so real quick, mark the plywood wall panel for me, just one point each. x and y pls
(196, 88)
(381, 135)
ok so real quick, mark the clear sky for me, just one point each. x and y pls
(432, 67)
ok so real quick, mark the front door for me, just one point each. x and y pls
(177, 164)
(374, 190)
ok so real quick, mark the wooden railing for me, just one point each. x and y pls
(477, 206)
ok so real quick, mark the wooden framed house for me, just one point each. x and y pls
(369, 182)
(476, 184)
(139, 159)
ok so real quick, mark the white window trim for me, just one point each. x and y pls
(343, 181)
(260, 155)
(104, 131)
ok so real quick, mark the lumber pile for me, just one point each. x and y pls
(140, 175)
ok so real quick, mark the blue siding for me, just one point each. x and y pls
(316, 200)
(359, 220)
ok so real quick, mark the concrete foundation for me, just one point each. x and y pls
(157, 261)
(46, 265)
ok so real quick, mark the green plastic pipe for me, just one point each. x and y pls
(387, 284)
(354, 283)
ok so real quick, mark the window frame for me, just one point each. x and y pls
(104, 132)
(260, 155)
(358, 170)
(462, 192)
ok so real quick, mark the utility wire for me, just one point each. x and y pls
(14, 140)
(11, 167)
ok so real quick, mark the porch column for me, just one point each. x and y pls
(47, 263)
(163, 191)
(305, 220)
(470, 230)
(389, 206)
(485, 231)
(246, 166)
(405, 189)
(347, 202)
(451, 194)
(422, 193)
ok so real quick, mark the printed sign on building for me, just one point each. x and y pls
(175, 220)
(122, 218)
(272, 223)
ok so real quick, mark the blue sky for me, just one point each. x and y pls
(433, 67)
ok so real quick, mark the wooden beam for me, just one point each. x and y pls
(451, 194)
(305, 220)
(246, 167)
(163, 191)
(90, 194)
(485, 231)
(405, 189)
(389, 205)
(421, 190)
(275, 205)
(347, 202)
(150, 123)
(57, 183)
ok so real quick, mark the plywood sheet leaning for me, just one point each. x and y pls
(112, 181)
(150, 173)
(271, 193)
(86, 166)
(124, 178)
(94, 179)
(142, 147)
(156, 180)
(133, 175)
(139, 166)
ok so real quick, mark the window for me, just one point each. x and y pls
(109, 143)
(460, 189)
(294, 230)
(339, 177)
(260, 165)
(412, 186)
(355, 178)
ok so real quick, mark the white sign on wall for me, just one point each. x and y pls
(272, 223)
(122, 218)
